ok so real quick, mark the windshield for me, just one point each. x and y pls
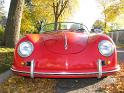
(66, 26)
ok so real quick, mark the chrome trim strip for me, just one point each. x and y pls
(99, 68)
(32, 69)
(65, 41)
(66, 73)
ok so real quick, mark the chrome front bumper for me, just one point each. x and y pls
(99, 72)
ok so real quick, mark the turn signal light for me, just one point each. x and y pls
(22, 63)
(108, 62)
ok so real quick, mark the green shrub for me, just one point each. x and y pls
(1, 32)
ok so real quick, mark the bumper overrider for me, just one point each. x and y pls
(99, 71)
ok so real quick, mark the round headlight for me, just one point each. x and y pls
(106, 48)
(25, 49)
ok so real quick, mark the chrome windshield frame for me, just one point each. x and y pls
(84, 27)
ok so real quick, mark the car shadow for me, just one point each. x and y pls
(66, 85)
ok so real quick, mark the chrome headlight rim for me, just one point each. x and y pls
(109, 43)
(19, 51)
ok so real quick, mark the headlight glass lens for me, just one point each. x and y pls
(106, 48)
(25, 49)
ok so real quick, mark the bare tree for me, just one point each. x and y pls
(58, 9)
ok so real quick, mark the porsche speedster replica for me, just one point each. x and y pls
(65, 50)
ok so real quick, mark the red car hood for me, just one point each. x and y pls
(65, 42)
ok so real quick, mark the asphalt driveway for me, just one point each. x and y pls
(120, 52)
(89, 85)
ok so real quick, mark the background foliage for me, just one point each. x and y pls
(1, 32)
(113, 11)
(41, 11)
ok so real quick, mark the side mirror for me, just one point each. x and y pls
(96, 30)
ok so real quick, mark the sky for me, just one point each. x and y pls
(87, 14)
(6, 5)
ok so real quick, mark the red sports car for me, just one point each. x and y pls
(65, 50)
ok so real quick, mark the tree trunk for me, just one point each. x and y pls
(56, 24)
(12, 30)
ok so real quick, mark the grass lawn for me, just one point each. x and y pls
(17, 84)
(4, 68)
(6, 58)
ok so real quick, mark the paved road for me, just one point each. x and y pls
(90, 85)
(120, 54)
(4, 76)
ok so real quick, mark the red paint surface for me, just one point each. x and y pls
(50, 55)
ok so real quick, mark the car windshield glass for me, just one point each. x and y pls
(60, 26)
